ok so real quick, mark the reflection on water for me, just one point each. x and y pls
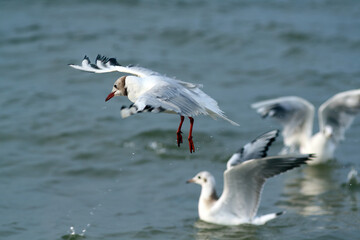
(317, 180)
(316, 192)
(207, 231)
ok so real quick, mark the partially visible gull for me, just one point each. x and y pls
(352, 177)
(297, 115)
(152, 92)
(246, 173)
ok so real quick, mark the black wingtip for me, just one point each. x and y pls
(271, 140)
(310, 157)
(101, 58)
(113, 61)
(277, 132)
(104, 60)
(280, 213)
(94, 66)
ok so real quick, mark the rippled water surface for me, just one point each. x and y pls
(71, 168)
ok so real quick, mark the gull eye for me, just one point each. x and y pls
(115, 86)
(199, 177)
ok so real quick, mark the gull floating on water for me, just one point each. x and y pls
(152, 92)
(297, 116)
(246, 173)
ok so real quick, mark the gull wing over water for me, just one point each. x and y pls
(105, 65)
(337, 114)
(243, 183)
(256, 149)
(294, 113)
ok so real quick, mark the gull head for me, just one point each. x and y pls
(328, 132)
(208, 194)
(203, 178)
(118, 89)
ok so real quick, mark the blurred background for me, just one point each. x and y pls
(71, 168)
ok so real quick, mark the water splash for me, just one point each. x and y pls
(73, 235)
(157, 147)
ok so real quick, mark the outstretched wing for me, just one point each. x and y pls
(294, 113)
(165, 97)
(243, 183)
(256, 149)
(337, 114)
(105, 65)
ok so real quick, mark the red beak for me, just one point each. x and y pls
(111, 95)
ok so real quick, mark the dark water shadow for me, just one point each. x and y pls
(208, 231)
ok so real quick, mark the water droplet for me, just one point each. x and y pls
(72, 230)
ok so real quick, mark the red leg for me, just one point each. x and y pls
(178, 133)
(191, 143)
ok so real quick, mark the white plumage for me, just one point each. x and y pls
(297, 115)
(246, 173)
(152, 92)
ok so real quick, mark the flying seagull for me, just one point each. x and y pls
(152, 92)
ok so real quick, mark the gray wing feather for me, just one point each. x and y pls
(243, 183)
(338, 113)
(169, 98)
(256, 149)
(294, 113)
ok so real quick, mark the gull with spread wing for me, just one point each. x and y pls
(246, 173)
(152, 92)
(297, 115)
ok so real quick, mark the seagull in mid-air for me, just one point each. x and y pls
(152, 92)
(246, 173)
(297, 115)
